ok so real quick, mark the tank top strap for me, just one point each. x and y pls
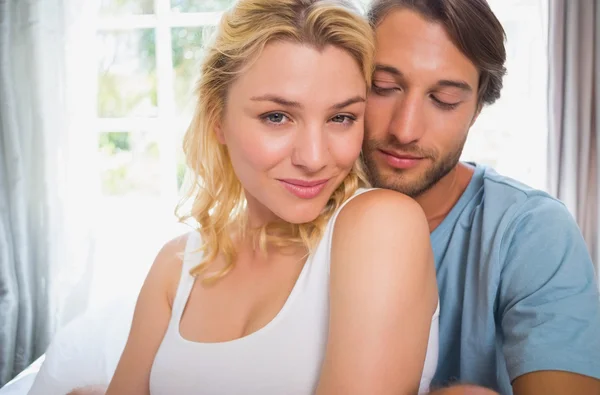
(323, 250)
(333, 219)
(358, 192)
(191, 257)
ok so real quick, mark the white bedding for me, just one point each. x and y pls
(21, 384)
(85, 352)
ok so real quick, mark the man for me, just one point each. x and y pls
(520, 310)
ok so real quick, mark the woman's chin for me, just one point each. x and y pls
(301, 215)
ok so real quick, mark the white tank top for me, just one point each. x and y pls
(283, 357)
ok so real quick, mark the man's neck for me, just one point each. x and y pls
(441, 198)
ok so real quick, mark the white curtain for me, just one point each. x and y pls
(574, 113)
(47, 181)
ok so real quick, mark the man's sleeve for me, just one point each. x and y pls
(549, 305)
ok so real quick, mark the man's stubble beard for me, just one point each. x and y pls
(396, 180)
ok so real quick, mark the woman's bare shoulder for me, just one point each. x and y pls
(386, 208)
(386, 224)
(168, 264)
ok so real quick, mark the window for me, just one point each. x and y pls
(511, 134)
(149, 52)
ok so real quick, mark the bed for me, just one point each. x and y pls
(21, 384)
(84, 352)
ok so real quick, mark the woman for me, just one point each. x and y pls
(269, 298)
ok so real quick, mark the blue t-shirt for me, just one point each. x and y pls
(518, 292)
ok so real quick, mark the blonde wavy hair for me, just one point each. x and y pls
(219, 203)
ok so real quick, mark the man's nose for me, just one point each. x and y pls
(408, 121)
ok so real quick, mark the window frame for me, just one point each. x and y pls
(162, 21)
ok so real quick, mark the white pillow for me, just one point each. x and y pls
(86, 351)
(21, 384)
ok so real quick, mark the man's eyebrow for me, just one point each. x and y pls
(388, 69)
(277, 100)
(462, 85)
(289, 103)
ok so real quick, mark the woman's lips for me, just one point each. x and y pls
(304, 189)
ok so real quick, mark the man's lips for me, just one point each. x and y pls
(399, 160)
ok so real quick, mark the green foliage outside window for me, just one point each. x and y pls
(127, 84)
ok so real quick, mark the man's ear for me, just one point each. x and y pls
(476, 115)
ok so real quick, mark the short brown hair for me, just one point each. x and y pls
(472, 27)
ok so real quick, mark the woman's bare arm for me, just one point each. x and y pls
(382, 299)
(150, 322)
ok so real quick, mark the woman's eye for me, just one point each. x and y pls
(343, 119)
(340, 118)
(275, 118)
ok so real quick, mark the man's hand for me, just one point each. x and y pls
(464, 390)
(89, 390)
(555, 383)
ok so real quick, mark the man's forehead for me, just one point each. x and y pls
(410, 23)
(412, 44)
